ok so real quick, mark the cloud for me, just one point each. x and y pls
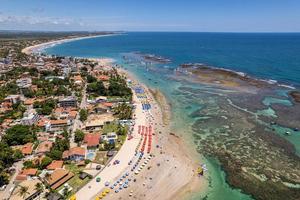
(36, 20)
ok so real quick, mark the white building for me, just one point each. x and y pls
(30, 117)
(24, 82)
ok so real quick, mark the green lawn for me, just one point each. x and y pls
(76, 183)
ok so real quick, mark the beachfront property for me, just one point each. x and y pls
(110, 137)
(58, 178)
(96, 122)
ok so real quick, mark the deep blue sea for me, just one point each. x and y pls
(264, 55)
(274, 56)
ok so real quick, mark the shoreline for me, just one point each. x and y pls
(175, 147)
(37, 48)
(181, 180)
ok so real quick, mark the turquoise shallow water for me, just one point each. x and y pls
(267, 56)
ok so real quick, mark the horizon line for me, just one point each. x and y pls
(146, 31)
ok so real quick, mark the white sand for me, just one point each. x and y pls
(39, 47)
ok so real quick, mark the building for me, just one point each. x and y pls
(110, 137)
(27, 149)
(69, 101)
(25, 174)
(58, 125)
(92, 140)
(55, 164)
(24, 82)
(32, 192)
(96, 122)
(44, 147)
(58, 178)
(30, 117)
(13, 99)
(75, 154)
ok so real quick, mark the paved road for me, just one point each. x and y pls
(77, 123)
(125, 154)
(7, 192)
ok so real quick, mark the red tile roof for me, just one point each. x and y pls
(55, 164)
(108, 104)
(74, 151)
(103, 78)
(27, 149)
(44, 147)
(28, 172)
(91, 139)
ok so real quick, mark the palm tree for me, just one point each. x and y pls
(39, 188)
(23, 191)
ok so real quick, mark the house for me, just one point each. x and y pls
(100, 109)
(24, 82)
(13, 99)
(103, 78)
(25, 174)
(30, 117)
(58, 125)
(27, 149)
(44, 147)
(69, 101)
(58, 178)
(65, 113)
(92, 140)
(110, 137)
(55, 164)
(75, 154)
(77, 80)
(32, 192)
(96, 122)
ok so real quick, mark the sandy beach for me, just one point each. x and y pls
(170, 174)
(39, 47)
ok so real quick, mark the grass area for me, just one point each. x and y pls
(101, 157)
(120, 141)
(76, 183)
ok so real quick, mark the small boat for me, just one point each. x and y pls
(288, 133)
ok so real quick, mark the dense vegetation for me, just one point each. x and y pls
(79, 136)
(45, 108)
(117, 87)
(83, 115)
(123, 111)
(16, 135)
(19, 135)
(58, 148)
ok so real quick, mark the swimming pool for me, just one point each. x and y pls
(91, 156)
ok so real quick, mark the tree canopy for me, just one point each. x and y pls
(18, 135)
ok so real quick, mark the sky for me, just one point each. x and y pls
(151, 15)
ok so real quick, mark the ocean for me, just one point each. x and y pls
(271, 56)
